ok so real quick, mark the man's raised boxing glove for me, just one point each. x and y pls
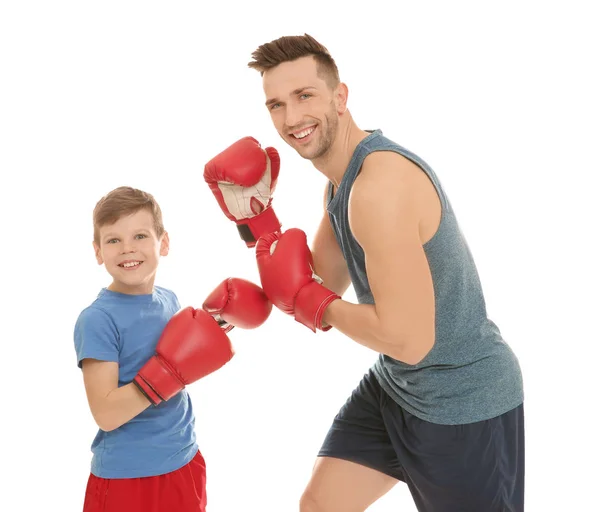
(286, 272)
(242, 179)
(191, 346)
(238, 302)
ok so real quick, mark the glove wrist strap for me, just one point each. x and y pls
(310, 304)
(161, 381)
(252, 229)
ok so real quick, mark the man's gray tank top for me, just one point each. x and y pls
(470, 374)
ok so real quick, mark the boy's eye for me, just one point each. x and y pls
(112, 240)
(140, 235)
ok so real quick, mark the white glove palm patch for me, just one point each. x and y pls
(246, 202)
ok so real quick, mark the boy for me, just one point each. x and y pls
(137, 350)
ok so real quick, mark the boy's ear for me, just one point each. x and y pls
(97, 253)
(164, 244)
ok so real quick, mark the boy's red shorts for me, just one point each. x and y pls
(183, 490)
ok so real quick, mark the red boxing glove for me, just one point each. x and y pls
(238, 303)
(191, 346)
(286, 272)
(243, 178)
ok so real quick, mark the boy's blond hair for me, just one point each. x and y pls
(125, 201)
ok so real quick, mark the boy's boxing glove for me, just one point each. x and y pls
(194, 342)
(238, 302)
(191, 346)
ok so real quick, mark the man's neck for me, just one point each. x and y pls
(334, 164)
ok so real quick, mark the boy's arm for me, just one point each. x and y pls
(111, 405)
(97, 350)
(328, 259)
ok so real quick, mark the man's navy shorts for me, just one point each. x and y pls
(477, 467)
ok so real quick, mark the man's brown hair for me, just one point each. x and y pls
(125, 201)
(289, 48)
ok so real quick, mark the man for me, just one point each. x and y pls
(442, 407)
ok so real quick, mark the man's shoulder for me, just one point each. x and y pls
(388, 191)
(388, 160)
(384, 172)
(394, 171)
(385, 151)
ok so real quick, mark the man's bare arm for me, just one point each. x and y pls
(385, 220)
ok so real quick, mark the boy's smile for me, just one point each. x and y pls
(130, 264)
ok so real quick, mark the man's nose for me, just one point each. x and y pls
(293, 116)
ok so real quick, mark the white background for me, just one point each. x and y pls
(502, 101)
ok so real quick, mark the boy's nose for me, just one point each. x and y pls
(128, 247)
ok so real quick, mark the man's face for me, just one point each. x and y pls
(130, 251)
(303, 107)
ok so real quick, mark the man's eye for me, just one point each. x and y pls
(275, 105)
(305, 95)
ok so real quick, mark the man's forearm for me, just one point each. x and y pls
(361, 323)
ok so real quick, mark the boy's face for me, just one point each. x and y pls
(130, 250)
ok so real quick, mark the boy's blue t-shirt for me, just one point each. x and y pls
(125, 329)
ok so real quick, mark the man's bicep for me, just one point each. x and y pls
(396, 264)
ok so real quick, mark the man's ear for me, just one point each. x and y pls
(164, 244)
(99, 258)
(340, 96)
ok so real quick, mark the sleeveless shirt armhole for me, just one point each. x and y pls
(329, 194)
